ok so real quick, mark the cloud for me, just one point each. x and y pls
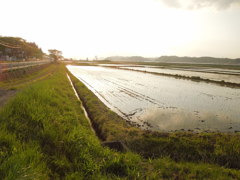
(198, 4)
(172, 3)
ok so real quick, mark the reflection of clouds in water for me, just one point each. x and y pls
(168, 119)
(174, 119)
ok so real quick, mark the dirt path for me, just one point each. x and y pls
(5, 95)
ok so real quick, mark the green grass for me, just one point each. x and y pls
(19, 78)
(219, 148)
(45, 135)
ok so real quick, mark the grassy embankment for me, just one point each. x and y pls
(45, 135)
(217, 148)
(21, 77)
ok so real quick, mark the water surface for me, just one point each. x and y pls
(228, 75)
(163, 103)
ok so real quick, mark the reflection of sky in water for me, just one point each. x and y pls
(165, 103)
(192, 72)
(173, 119)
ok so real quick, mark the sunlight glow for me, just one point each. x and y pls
(83, 28)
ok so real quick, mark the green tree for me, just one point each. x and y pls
(55, 54)
(19, 48)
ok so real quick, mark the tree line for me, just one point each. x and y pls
(18, 48)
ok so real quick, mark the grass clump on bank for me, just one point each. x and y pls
(215, 148)
(45, 135)
(218, 148)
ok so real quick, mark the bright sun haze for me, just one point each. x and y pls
(88, 28)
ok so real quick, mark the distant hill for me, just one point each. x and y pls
(176, 59)
(198, 60)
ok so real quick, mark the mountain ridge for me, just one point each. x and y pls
(176, 59)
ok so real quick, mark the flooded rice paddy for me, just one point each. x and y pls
(232, 76)
(163, 103)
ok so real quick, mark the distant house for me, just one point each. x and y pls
(8, 54)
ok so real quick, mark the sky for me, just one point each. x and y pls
(149, 28)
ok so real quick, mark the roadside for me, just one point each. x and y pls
(18, 79)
